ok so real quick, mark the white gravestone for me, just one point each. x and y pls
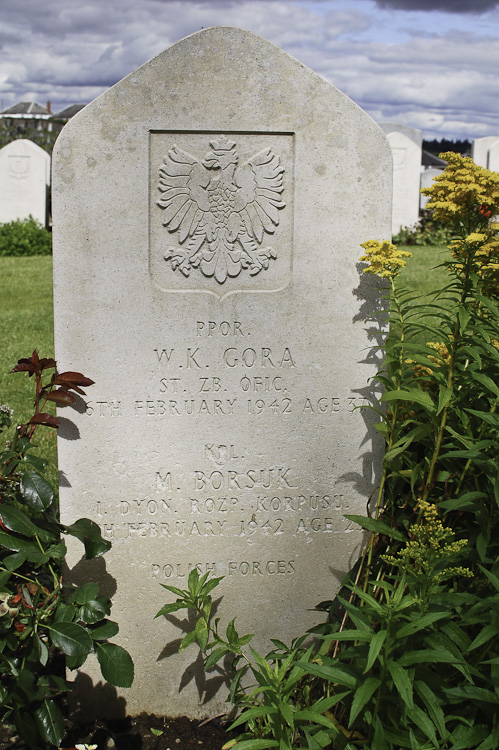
(480, 150)
(208, 211)
(24, 181)
(405, 144)
(427, 177)
(493, 160)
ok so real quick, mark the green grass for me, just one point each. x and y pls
(421, 272)
(423, 276)
(26, 323)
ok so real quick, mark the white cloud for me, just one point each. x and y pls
(416, 68)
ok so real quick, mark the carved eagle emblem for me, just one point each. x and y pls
(219, 210)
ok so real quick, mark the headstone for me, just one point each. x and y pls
(405, 144)
(480, 150)
(208, 211)
(493, 160)
(24, 181)
(427, 177)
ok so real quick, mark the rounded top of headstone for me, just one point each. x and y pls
(394, 127)
(242, 71)
(25, 147)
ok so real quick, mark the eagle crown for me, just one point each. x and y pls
(222, 155)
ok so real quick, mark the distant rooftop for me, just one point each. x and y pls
(69, 111)
(26, 108)
(430, 160)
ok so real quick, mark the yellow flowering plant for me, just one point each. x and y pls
(418, 626)
(409, 655)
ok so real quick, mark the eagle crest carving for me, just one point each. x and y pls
(220, 211)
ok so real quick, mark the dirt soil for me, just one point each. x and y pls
(136, 734)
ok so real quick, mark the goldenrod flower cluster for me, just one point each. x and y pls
(462, 186)
(432, 542)
(485, 255)
(443, 351)
(385, 259)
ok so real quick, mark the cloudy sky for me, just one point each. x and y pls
(428, 64)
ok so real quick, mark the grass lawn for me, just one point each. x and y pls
(421, 273)
(26, 322)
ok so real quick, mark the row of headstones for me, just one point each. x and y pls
(25, 176)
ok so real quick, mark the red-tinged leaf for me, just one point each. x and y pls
(24, 365)
(68, 387)
(72, 378)
(61, 397)
(47, 363)
(44, 418)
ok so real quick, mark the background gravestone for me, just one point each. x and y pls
(427, 177)
(480, 150)
(493, 158)
(405, 144)
(24, 181)
(208, 211)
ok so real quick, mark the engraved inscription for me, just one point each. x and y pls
(220, 212)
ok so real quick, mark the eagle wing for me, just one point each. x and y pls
(182, 182)
(258, 200)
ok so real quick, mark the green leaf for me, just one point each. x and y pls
(494, 580)
(424, 723)
(116, 664)
(364, 636)
(377, 526)
(252, 713)
(37, 492)
(215, 656)
(174, 607)
(95, 610)
(338, 673)
(187, 640)
(487, 416)
(174, 590)
(29, 548)
(193, 582)
(231, 633)
(471, 693)
(444, 396)
(89, 533)
(414, 395)
(57, 551)
(13, 562)
(487, 633)
(85, 593)
(402, 682)
(363, 695)
(106, 629)
(65, 613)
(17, 521)
(427, 656)
(50, 722)
(254, 744)
(419, 623)
(432, 706)
(72, 639)
(210, 585)
(202, 633)
(42, 651)
(26, 726)
(484, 380)
(375, 647)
